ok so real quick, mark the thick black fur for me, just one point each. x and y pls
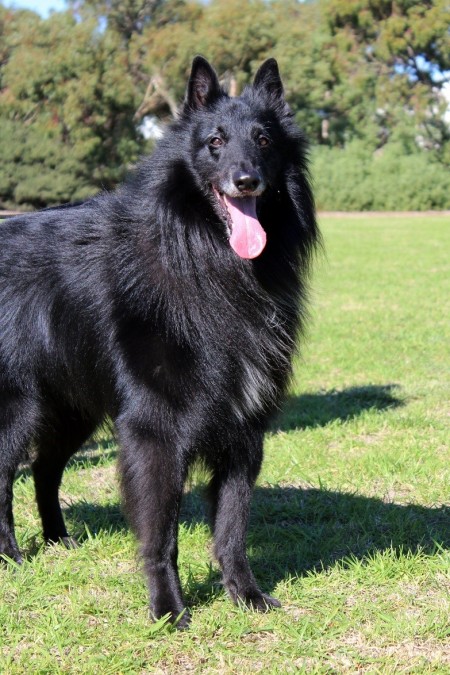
(133, 305)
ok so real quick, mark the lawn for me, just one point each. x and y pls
(350, 526)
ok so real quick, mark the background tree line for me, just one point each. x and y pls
(363, 77)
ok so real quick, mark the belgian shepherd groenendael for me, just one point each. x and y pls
(171, 306)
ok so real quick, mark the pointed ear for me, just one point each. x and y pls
(203, 86)
(267, 80)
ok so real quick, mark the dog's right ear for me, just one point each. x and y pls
(203, 86)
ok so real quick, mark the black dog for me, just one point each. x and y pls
(171, 306)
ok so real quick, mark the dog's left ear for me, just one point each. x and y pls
(203, 86)
(268, 80)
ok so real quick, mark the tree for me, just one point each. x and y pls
(64, 84)
(233, 35)
(406, 44)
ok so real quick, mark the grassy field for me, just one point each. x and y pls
(350, 526)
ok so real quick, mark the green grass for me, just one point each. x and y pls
(350, 525)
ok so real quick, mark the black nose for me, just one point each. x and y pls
(246, 180)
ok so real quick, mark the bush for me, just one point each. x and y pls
(37, 170)
(356, 179)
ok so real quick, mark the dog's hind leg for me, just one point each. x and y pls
(55, 445)
(230, 492)
(18, 417)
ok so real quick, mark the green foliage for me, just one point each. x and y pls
(357, 179)
(77, 85)
(66, 106)
(37, 169)
(389, 53)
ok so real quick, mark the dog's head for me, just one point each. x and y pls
(239, 146)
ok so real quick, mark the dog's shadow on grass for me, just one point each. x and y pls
(319, 409)
(295, 530)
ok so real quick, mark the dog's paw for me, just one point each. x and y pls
(9, 551)
(69, 542)
(252, 598)
(183, 620)
(179, 618)
(259, 601)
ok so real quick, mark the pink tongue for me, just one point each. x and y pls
(247, 236)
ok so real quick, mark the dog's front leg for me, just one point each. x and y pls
(230, 493)
(152, 477)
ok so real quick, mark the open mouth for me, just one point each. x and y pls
(246, 235)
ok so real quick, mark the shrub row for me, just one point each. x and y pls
(356, 179)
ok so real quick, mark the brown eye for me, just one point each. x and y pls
(263, 141)
(216, 142)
